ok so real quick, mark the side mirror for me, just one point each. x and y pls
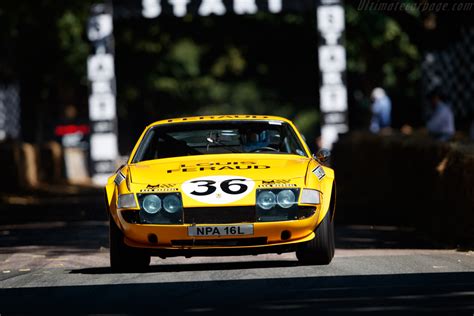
(322, 155)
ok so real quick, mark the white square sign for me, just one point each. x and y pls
(100, 67)
(104, 146)
(102, 107)
(333, 98)
(100, 26)
(330, 19)
(332, 58)
(329, 135)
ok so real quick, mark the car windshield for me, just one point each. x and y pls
(220, 137)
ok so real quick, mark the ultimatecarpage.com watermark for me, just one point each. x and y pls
(376, 5)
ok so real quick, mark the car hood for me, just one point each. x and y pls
(256, 167)
(218, 179)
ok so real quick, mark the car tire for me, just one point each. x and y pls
(320, 250)
(122, 257)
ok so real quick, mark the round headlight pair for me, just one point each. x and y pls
(152, 204)
(267, 199)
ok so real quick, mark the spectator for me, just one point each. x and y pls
(440, 124)
(381, 110)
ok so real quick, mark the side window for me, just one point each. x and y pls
(151, 151)
(292, 144)
(143, 149)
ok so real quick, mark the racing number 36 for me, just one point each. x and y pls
(209, 186)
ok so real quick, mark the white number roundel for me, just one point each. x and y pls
(218, 189)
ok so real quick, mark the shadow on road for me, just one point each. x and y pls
(443, 293)
(217, 266)
(57, 238)
(383, 237)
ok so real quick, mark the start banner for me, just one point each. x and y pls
(154, 8)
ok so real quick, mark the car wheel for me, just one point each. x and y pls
(122, 257)
(320, 250)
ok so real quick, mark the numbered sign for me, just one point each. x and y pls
(218, 189)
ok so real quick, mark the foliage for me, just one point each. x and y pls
(170, 67)
(381, 54)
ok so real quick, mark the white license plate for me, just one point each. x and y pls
(237, 230)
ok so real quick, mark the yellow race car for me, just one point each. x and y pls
(221, 185)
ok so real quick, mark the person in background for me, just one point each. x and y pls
(440, 124)
(381, 110)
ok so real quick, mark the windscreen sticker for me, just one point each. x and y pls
(278, 183)
(319, 172)
(274, 122)
(162, 187)
(160, 190)
(213, 166)
(218, 189)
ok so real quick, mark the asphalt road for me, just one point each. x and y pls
(62, 268)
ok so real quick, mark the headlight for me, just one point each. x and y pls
(126, 201)
(151, 204)
(160, 208)
(309, 196)
(172, 204)
(286, 198)
(266, 200)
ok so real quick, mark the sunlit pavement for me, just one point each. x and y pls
(63, 267)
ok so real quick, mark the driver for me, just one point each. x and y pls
(254, 140)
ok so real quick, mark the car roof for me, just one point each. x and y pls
(209, 118)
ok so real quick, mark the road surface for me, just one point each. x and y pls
(62, 268)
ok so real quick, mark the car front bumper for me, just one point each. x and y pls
(175, 237)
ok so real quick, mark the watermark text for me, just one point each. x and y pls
(387, 6)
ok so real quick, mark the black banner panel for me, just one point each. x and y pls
(101, 73)
(332, 66)
(154, 8)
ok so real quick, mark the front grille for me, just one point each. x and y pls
(227, 215)
(236, 242)
(279, 214)
(219, 215)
